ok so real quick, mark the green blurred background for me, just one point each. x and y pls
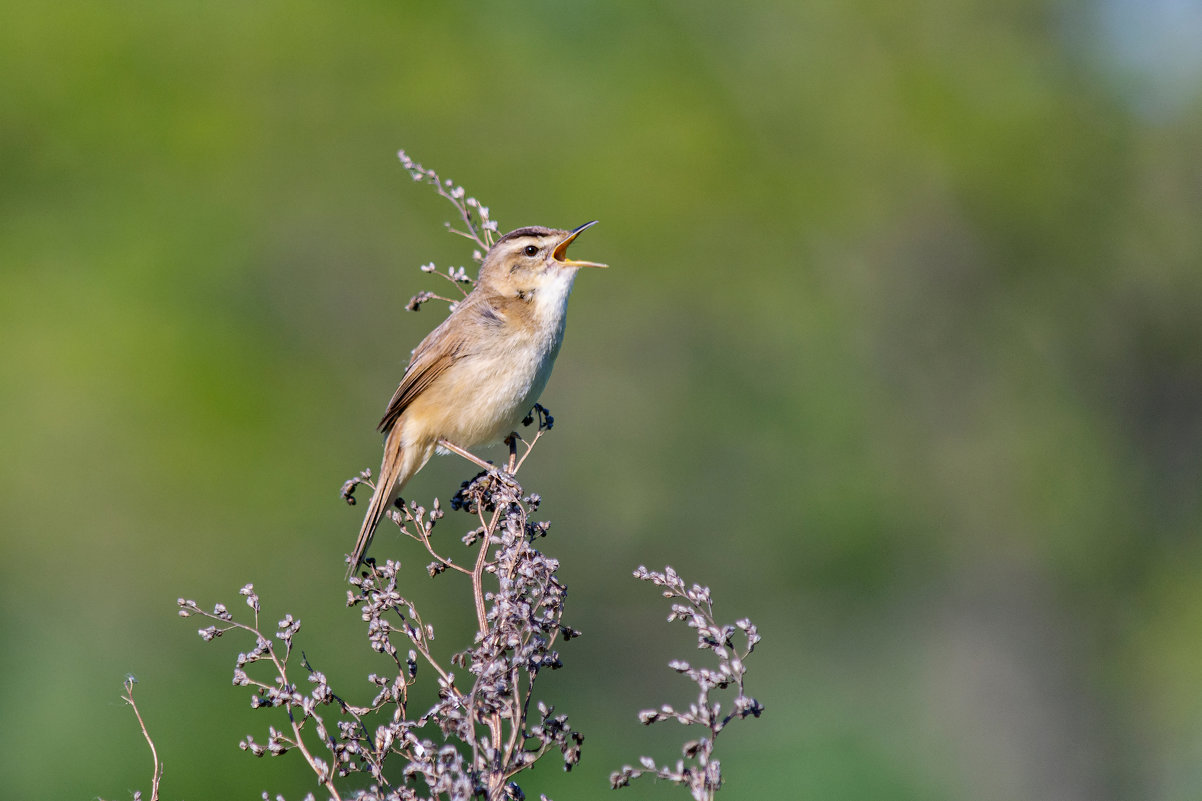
(899, 353)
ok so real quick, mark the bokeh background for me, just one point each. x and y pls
(900, 353)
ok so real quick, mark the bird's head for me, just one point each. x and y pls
(527, 261)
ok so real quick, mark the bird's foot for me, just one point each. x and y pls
(489, 489)
(505, 479)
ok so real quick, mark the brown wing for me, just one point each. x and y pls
(430, 361)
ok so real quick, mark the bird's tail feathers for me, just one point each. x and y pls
(393, 475)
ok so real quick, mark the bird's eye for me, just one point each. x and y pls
(531, 250)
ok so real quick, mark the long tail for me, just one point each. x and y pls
(399, 465)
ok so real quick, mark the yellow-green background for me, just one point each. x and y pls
(899, 353)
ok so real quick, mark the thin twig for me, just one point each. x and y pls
(130, 681)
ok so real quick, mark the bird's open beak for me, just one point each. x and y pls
(560, 254)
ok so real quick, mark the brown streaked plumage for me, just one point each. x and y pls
(475, 376)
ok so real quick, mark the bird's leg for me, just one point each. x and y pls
(471, 457)
(476, 460)
(498, 473)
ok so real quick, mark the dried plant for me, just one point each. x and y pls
(156, 775)
(487, 725)
(478, 226)
(485, 728)
(698, 770)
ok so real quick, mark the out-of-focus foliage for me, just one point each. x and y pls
(900, 353)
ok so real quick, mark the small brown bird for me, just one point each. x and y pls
(475, 376)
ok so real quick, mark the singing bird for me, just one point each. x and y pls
(474, 377)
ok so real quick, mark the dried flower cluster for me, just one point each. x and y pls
(698, 771)
(487, 726)
(478, 226)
